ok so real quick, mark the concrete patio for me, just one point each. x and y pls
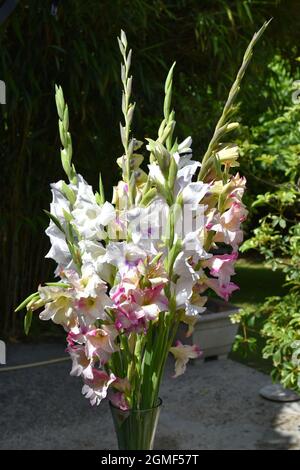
(215, 405)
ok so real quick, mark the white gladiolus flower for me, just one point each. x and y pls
(193, 244)
(155, 173)
(84, 193)
(148, 224)
(124, 255)
(90, 219)
(90, 284)
(93, 252)
(59, 202)
(193, 193)
(185, 146)
(185, 174)
(59, 250)
(59, 206)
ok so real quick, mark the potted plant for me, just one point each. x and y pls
(215, 331)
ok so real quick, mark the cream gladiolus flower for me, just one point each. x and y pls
(182, 354)
(59, 306)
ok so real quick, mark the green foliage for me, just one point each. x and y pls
(277, 322)
(273, 157)
(282, 333)
(270, 149)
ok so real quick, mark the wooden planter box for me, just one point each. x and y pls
(214, 333)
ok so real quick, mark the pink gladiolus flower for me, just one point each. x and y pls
(221, 266)
(95, 389)
(182, 354)
(90, 293)
(100, 343)
(234, 216)
(139, 297)
(121, 384)
(237, 187)
(130, 317)
(228, 224)
(81, 365)
(152, 300)
(224, 290)
(118, 400)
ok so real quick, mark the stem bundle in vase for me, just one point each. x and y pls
(129, 271)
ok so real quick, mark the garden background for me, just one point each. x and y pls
(77, 48)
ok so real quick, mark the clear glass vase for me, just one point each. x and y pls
(135, 429)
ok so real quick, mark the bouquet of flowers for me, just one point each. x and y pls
(129, 271)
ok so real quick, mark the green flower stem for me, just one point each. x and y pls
(160, 343)
(65, 136)
(127, 110)
(167, 127)
(171, 336)
(161, 334)
(224, 125)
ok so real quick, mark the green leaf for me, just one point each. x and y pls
(277, 358)
(67, 216)
(66, 118)
(69, 193)
(148, 197)
(172, 173)
(26, 301)
(65, 161)
(282, 223)
(27, 321)
(101, 190)
(60, 102)
(169, 78)
(57, 284)
(55, 221)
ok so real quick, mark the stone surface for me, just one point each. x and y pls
(215, 405)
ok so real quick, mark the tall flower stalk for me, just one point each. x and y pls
(224, 124)
(127, 110)
(130, 271)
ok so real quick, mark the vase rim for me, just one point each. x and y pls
(159, 403)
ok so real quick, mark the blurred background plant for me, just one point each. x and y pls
(77, 48)
(272, 161)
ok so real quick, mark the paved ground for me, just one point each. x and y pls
(215, 405)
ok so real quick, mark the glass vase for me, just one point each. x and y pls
(135, 429)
